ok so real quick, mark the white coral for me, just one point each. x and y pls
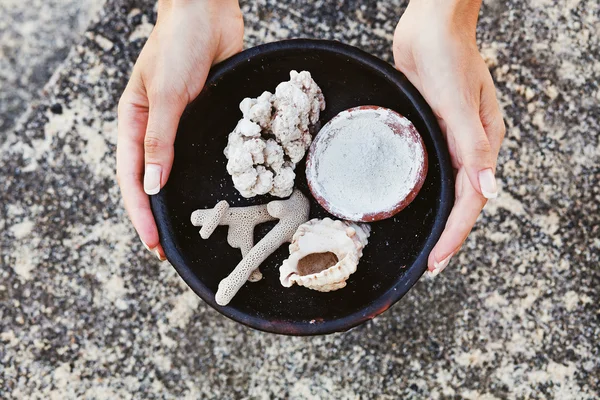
(258, 110)
(283, 182)
(274, 155)
(256, 148)
(273, 136)
(297, 104)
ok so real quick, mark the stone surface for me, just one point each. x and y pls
(86, 312)
(35, 37)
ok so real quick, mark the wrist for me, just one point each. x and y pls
(212, 6)
(180, 3)
(459, 16)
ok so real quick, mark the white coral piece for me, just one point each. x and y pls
(241, 222)
(273, 136)
(323, 254)
(291, 213)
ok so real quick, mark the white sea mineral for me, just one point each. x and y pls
(273, 136)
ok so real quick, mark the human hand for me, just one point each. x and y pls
(170, 72)
(435, 47)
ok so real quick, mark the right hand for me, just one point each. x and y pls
(189, 37)
(443, 63)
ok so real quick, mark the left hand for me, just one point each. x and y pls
(435, 47)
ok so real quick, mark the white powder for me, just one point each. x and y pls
(360, 166)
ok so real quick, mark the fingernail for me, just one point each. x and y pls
(438, 267)
(153, 251)
(145, 245)
(157, 254)
(152, 179)
(487, 182)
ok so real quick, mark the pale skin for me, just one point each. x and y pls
(442, 61)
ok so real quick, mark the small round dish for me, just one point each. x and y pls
(396, 255)
(366, 164)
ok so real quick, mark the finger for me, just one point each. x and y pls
(469, 204)
(136, 201)
(132, 121)
(491, 116)
(163, 119)
(473, 147)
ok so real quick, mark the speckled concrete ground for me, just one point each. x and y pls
(35, 38)
(85, 312)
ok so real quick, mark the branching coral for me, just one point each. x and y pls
(241, 222)
(291, 213)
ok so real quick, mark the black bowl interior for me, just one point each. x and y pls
(396, 255)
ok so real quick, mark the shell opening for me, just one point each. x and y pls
(316, 262)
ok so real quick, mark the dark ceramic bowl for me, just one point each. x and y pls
(396, 255)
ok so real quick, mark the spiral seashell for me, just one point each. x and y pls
(323, 254)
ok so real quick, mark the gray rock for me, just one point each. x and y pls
(35, 37)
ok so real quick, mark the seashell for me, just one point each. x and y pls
(323, 254)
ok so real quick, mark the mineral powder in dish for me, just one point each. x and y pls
(366, 164)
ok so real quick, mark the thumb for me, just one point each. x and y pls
(474, 151)
(163, 119)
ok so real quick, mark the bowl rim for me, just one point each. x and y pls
(413, 272)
